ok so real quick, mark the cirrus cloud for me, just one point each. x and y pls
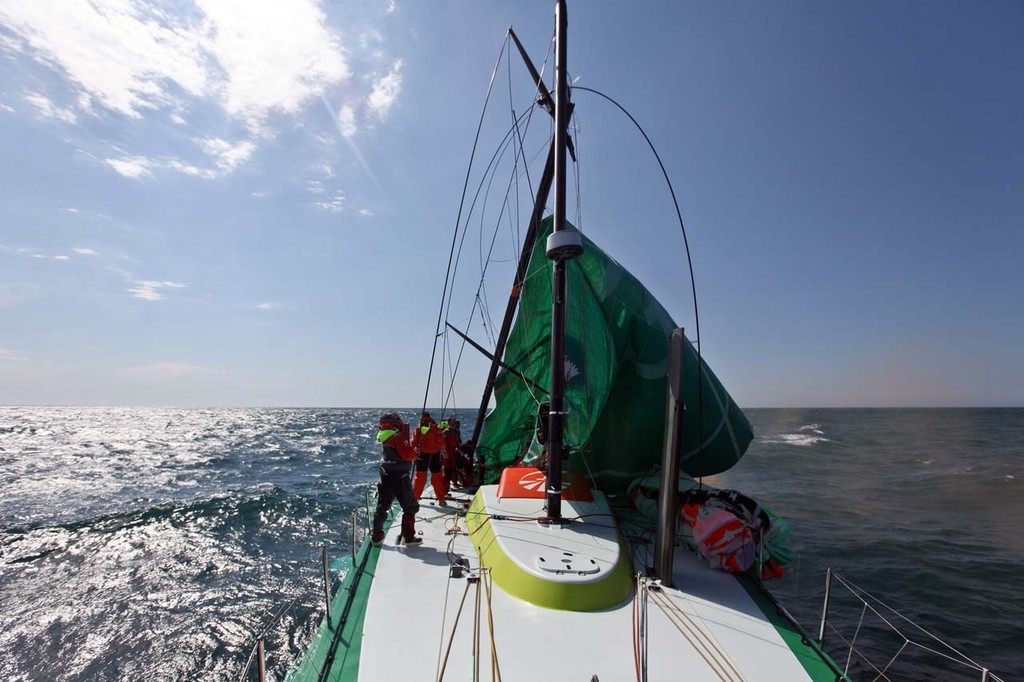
(252, 58)
(253, 61)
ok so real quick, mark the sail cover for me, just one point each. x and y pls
(617, 338)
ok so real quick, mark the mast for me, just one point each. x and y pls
(562, 246)
(543, 191)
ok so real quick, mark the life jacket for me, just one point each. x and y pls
(393, 435)
(427, 437)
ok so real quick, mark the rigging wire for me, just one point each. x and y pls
(519, 132)
(689, 261)
(479, 300)
(458, 220)
(488, 173)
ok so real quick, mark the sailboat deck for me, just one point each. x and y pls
(423, 623)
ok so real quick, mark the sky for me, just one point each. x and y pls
(220, 203)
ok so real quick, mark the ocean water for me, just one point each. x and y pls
(141, 544)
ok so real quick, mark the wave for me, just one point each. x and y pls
(268, 500)
(805, 436)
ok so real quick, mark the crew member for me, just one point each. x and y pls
(396, 461)
(452, 442)
(429, 445)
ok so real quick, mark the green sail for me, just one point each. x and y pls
(616, 347)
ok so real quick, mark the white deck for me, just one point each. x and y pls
(716, 632)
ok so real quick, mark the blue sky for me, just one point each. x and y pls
(223, 203)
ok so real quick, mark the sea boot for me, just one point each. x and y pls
(409, 530)
(419, 482)
(377, 537)
(440, 484)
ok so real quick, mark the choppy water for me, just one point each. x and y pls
(141, 544)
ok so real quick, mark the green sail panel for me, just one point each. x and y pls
(617, 337)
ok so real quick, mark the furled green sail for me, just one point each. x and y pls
(616, 364)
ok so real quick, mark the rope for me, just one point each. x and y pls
(864, 596)
(856, 633)
(959, 658)
(451, 639)
(476, 632)
(444, 617)
(859, 654)
(495, 668)
(701, 640)
(458, 220)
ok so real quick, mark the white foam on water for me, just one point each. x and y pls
(799, 439)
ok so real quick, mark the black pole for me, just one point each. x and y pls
(559, 254)
(490, 356)
(542, 94)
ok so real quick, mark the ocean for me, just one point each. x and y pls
(152, 544)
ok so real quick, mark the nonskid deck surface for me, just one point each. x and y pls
(424, 623)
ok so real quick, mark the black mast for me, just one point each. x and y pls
(563, 245)
(558, 246)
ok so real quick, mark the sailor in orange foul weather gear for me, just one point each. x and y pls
(396, 461)
(452, 442)
(429, 445)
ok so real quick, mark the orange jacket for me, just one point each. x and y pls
(427, 438)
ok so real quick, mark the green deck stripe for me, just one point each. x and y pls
(819, 666)
(342, 649)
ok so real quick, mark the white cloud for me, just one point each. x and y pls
(122, 56)
(150, 290)
(227, 156)
(48, 109)
(62, 258)
(275, 55)
(7, 108)
(254, 60)
(347, 121)
(366, 213)
(335, 205)
(189, 169)
(386, 91)
(131, 166)
(85, 252)
(265, 306)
